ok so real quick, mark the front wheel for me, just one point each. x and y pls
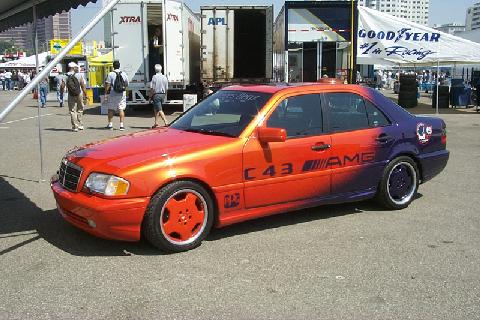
(179, 217)
(399, 183)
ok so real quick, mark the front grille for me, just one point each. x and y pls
(69, 175)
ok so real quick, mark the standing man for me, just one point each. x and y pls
(76, 92)
(2, 79)
(43, 91)
(155, 48)
(60, 88)
(158, 92)
(8, 80)
(115, 94)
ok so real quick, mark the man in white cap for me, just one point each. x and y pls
(76, 93)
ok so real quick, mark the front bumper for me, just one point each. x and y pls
(433, 163)
(118, 219)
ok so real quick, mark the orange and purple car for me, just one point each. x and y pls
(246, 152)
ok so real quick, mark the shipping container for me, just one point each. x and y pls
(236, 43)
(315, 39)
(146, 32)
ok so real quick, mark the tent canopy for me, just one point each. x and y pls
(14, 13)
(27, 62)
(102, 60)
(385, 39)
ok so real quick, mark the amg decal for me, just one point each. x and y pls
(335, 161)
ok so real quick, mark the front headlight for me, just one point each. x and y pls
(107, 184)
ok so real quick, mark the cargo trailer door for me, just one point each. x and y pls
(129, 19)
(217, 44)
(269, 43)
(173, 39)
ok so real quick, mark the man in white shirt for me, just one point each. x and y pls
(158, 92)
(115, 94)
(8, 80)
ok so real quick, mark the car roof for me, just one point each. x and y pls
(274, 88)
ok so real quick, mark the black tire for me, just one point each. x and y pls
(408, 103)
(408, 81)
(386, 187)
(407, 95)
(158, 216)
(408, 87)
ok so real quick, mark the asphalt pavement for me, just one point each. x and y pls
(354, 261)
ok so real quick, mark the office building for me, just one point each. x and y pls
(413, 10)
(52, 27)
(450, 28)
(472, 20)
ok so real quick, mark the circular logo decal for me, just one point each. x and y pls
(424, 133)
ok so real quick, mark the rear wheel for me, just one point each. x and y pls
(179, 217)
(399, 183)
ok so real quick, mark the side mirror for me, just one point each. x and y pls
(266, 135)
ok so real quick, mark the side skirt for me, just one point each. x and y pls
(243, 215)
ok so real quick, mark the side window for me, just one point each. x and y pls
(347, 111)
(300, 116)
(375, 117)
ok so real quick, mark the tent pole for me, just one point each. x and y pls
(37, 68)
(438, 77)
(44, 73)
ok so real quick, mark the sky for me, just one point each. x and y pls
(441, 11)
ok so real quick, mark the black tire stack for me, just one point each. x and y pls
(443, 97)
(407, 96)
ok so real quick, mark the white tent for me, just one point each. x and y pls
(385, 39)
(26, 62)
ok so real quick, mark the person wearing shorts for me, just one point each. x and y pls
(158, 92)
(116, 101)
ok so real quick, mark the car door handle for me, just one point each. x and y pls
(383, 138)
(320, 147)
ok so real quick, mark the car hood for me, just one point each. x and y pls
(125, 151)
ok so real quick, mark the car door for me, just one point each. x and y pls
(292, 170)
(361, 139)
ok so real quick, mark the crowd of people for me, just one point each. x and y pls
(74, 83)
(385, 79)
(15, 79)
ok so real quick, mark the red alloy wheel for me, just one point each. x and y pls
(183, 217)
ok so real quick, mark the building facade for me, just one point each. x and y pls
(53, 27)
(450, 28)
(472, 20)
(413, 10)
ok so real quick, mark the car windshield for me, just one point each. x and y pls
(225, 113)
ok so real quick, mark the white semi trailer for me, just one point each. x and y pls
(236, 44)
(146, 32)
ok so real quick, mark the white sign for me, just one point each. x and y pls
(189, 100)
(383, 38)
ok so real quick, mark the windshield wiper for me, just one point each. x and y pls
(210, 132)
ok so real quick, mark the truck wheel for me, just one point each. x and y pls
(179, 217)
(399, 183)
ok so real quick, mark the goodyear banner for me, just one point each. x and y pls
(56, 45)
(384, 39)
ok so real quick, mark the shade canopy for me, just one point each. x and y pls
(27, 62)
(14, 13)
(102, 60)
(388, 40)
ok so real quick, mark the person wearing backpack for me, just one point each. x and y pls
(75, 84)
(115, 94)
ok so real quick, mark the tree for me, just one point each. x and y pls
(6, 46)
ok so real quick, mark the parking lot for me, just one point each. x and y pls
(353, 261)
